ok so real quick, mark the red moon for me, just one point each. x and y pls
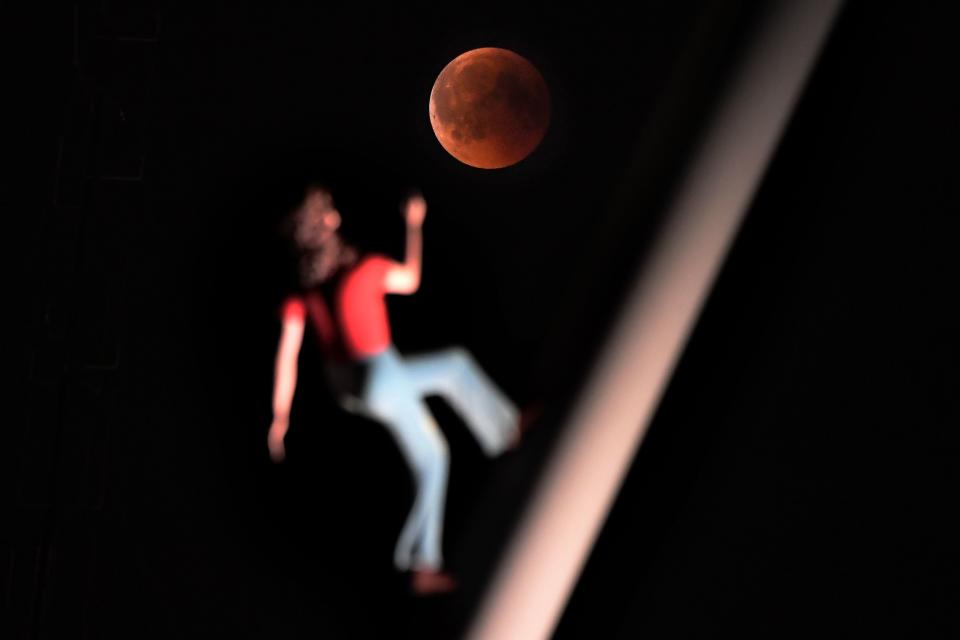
(489, 108)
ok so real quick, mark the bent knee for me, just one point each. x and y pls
(459, 356)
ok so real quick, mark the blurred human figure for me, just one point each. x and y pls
(342, 299)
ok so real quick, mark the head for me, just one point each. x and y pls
(316, 221)
(314, 234)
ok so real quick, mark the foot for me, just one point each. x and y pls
(426, 582)
(529, 415)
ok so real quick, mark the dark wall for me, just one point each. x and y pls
(149, 151)
(800, 477)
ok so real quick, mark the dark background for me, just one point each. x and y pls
(799, 472)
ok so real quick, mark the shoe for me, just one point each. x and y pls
(426, 582)
(529, 415)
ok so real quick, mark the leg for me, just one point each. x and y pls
(392, 400)
(455, 375)
(420, 542)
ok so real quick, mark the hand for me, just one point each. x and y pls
(415, 211)
(278, 430)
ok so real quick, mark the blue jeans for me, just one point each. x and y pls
(393, 395)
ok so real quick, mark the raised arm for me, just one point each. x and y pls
(404, 277)
(285, 382)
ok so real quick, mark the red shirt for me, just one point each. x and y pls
(357, 324)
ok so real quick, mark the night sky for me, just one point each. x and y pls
(802, 466)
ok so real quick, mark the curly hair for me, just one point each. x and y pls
(316, 263)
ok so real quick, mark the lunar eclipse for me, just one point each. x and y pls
(489, 108)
